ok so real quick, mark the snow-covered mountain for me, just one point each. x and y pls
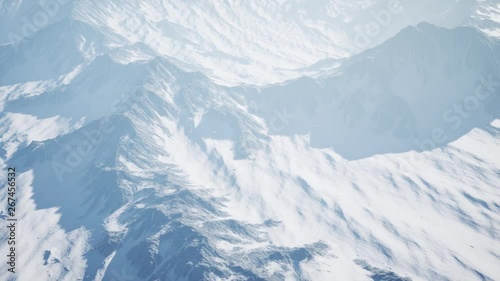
(252, 140)
(243, 42)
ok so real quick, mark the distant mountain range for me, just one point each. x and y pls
(253, 140)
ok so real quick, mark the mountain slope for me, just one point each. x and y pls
(253, 42)
(139, 169)
(418, 91)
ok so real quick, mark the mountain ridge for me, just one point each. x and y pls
(149, 171)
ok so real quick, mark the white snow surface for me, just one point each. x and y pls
(252, 140)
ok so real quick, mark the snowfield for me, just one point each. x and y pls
(252, 140)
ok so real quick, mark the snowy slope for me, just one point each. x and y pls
(366, 164)
(243, 42)
(395, 97)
